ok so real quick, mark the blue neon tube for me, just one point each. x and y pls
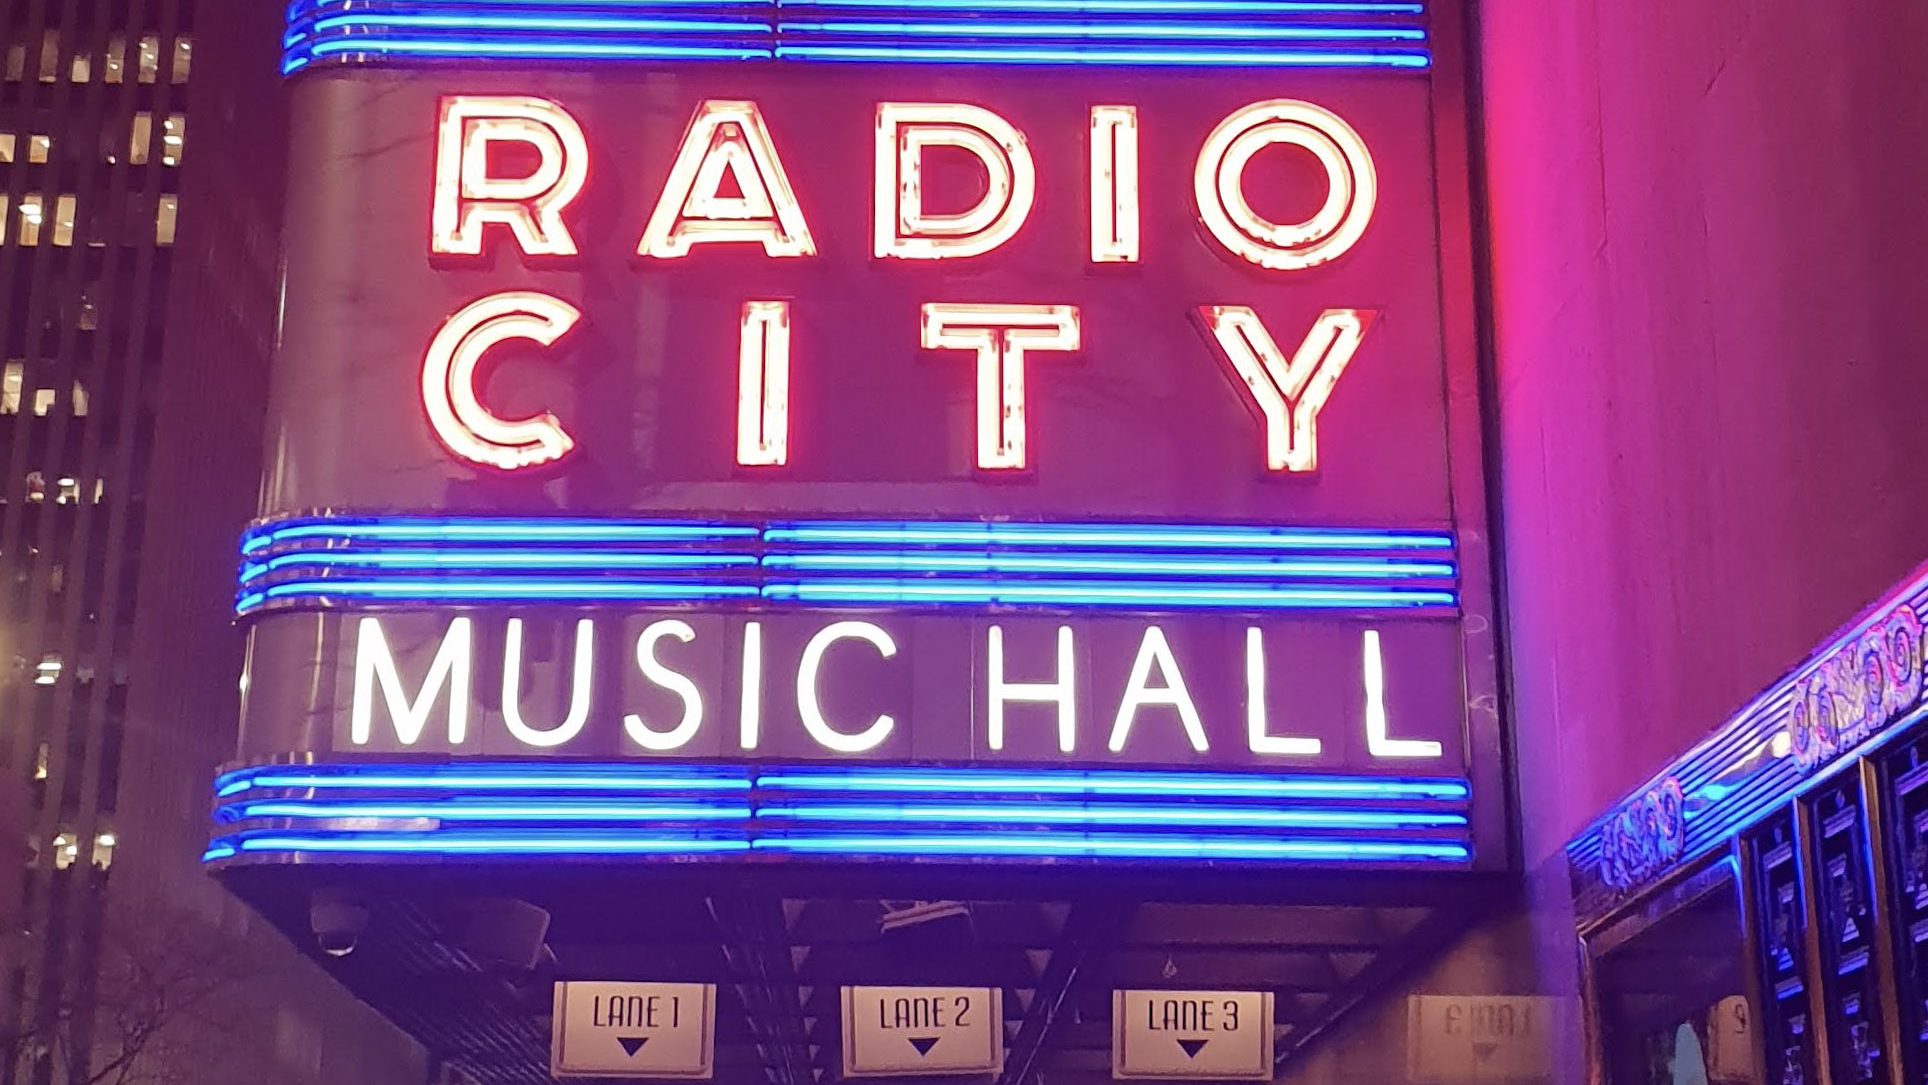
(529, 779)
(1173, 30)
(1105, 535)
(470, 558)
(496, 811)
(1116, 782)
(926, 561)
(1182, 847)
(1021, 55)
(534, 22)
(1178, 593)
(578, 50)
(487, 844)
(1046, 813)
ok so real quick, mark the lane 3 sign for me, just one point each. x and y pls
(633, 1030)
(1208, 1035)
(904, 1031)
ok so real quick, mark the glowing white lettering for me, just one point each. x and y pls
(1061, 691)
(811, 709)
(579, 688)
(1352, 188)
(1256, 738)
(374, 663)
(1288, 394)
(904, 230)
(468, 197)
(1000, 336)
(675, 681)
(727, 138)
(750, 722)
(465, 426)
(1154, 651)
(1376, 741)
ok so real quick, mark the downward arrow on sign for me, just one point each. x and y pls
(632, 1044)
(1193, 1047)
(923, 1044)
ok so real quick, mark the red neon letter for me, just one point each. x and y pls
(465, 426)
(468, 196)
(727, 138)
(1000, 335)
(1218, 184)
(1288, 394)
(903, 230)
(1114, 184)
(763, 385)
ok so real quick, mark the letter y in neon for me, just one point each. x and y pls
(1289, 393)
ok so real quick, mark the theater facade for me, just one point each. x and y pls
(794, 530)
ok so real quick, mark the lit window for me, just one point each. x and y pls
(183, 55)
(10, 388)
(104, 849)
(36, 487)
(3, 218)
(89, 317)
(69, 492)
(40, 755)
(48, 670)
(80, 411)
(39, 147)
(173, 139)
(116, 50)
(150, 57)
(50, 56)
(164, 220)
(140, 141)
(6, 147)
(64, 212)
(16, 62)
(83, 68)
(31, 214)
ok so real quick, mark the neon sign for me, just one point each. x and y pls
(729, 145)
(1075, 462)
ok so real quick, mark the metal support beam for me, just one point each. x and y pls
(1089, 930)
(1415, 947)
(756, 942)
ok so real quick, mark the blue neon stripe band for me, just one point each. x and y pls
(936, 563)
(1139, 32)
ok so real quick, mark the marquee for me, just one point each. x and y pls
(993, 431)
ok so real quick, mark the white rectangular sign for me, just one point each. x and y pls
(658, 1030)
(1216, 1035)
(1480, 1038)
(896, 1031)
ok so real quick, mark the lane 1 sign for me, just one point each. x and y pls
(655, 1030)
(899, 1031)
(1214, 1035)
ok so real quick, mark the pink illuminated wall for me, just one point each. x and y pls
(1710, 249)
